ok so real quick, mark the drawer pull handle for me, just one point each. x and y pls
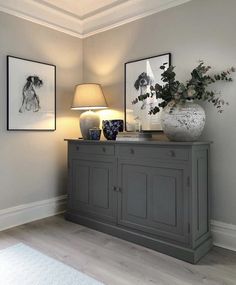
(104, 149)
(132, 151)
(77, 148)
(171, 153)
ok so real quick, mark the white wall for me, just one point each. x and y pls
(33, 164)
(200, 29)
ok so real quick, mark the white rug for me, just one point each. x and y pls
(22, 265)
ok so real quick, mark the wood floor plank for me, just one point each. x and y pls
(118, 262)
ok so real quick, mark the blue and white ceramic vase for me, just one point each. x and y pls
(111, 128)
(94, 134)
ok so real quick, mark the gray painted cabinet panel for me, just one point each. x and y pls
(100, 187)
(80, 182)
(164, 194)
(154, 199)
(91, 183)
(149, 193)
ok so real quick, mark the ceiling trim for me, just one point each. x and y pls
(133, 18)
(90, 14)
(51, 6)
(41, 22)
(120, 13)
(32, 11)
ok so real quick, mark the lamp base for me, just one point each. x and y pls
(88, 120)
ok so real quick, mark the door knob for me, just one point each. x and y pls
(171, 153)
(117, 189)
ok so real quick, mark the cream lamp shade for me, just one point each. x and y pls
(88, 96)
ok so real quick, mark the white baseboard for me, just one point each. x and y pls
(26, 213)
(224, 235)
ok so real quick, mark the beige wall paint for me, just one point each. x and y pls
(33, 164)
(201, 29)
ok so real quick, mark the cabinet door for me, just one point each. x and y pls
(154, 199)
(92, 188)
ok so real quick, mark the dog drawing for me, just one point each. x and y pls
(30, 99)
(141, 85)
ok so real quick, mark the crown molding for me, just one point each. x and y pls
(127, 14)
(86, 15)
(43, 15)
(103, 19)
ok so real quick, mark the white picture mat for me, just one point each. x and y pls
(18, 72)
(133, 69)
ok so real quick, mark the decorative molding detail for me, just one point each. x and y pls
(107, 17)
(42, 15)
(224, 235)
(26, 213)
(84, 15)
(126, 13)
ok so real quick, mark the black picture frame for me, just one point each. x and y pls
(132, 71)
(29, 109)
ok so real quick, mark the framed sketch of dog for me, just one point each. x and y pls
(139, 76)
(31, 95)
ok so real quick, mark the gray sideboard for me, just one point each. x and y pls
(151, 193)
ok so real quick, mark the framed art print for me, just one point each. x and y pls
(31, 95)
(139, 76)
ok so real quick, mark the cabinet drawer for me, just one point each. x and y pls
(92, 149)
(154, 152)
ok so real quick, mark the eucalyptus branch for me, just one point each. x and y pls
(194, 89)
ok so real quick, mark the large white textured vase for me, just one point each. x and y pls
(183, 121)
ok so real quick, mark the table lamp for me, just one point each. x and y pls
(88, 96)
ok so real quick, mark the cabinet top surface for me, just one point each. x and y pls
(151, 142)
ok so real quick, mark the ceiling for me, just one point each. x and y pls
(82, 9)
(82, 18)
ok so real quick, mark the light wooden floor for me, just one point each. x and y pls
(117, 262)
